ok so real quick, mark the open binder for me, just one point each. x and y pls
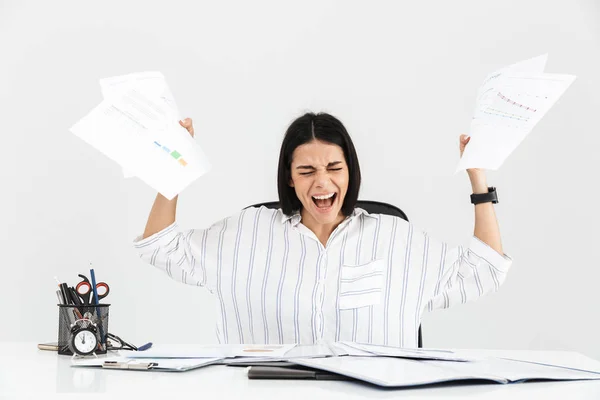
(402, 372)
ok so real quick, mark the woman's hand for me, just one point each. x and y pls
(476, 175)
(464, 139)
(187, 124)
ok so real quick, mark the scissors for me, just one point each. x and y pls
(84, 290)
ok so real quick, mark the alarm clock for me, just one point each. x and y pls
(83, 339)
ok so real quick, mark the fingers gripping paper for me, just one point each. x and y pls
(510, 102)
(137, 127)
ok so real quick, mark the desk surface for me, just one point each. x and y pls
(25, 371)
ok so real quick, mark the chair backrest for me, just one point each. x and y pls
(372, 207)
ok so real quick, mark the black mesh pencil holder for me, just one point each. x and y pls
(82, 330)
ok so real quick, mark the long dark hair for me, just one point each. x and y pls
(309, 127)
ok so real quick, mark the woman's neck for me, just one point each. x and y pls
(322, 231)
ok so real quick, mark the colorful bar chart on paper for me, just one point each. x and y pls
(173, 153)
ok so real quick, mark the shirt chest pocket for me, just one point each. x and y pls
(361, 285)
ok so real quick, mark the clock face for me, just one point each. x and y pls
(85, 341)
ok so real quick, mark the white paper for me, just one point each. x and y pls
(347, 349)
(516, 371)
(152, 84)
(564, 359)
(359, 349)
(300, 351)
(137, 132)
(222, 351)
(510, 102)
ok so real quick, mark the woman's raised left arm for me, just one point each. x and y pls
(486, 223)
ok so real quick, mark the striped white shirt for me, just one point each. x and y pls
(276, 283)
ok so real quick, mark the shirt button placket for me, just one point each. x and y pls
(320, 294)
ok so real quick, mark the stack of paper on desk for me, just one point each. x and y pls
(379, 365)
(137, 126)
(510, 102)
(180, 358)
(272, 351)
(299, 351)
(371, 350)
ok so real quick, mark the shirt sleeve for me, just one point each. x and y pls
(467, 274)
(180, 254)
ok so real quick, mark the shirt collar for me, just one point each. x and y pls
(295, 218)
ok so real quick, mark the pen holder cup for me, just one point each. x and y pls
(73, 318)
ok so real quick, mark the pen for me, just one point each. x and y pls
(76, 301)
(95, 292)
(60, 298)
(64, 289)
(129, 365)
(64, 299)
(145, 346)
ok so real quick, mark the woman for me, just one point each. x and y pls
(319, 269)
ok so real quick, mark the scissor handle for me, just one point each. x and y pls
(84, 290)
(102, 289)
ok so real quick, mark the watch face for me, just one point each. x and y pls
(85, 342)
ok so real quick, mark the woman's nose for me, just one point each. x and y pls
(321, 179)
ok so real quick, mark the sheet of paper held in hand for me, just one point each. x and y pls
(152, 84)
(509, 104)
(137, 126)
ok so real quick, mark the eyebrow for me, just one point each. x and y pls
(331, 164)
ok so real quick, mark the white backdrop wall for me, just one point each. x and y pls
(402, 76)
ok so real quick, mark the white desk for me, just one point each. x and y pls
(26, 371)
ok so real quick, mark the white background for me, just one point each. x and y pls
(401, 76)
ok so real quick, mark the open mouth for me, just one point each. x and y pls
(324, 203)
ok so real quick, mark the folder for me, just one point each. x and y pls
(403, 372)
(292, 372)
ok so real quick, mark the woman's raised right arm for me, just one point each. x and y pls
(161, 216)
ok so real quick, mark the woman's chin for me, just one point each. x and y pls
(325, 215)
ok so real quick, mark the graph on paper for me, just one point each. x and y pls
(174, 154)
(510, 111)
(510, 102)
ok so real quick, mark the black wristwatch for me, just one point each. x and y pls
(485, 197)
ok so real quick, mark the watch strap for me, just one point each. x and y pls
(490, 196)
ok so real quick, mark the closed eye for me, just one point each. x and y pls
(331, 169)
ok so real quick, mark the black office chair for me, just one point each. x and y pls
(372, 207)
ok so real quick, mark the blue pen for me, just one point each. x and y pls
(94, 291)
(145, 346)
(96, 301)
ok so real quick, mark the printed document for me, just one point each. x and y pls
(510, 102)
(137, 127)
